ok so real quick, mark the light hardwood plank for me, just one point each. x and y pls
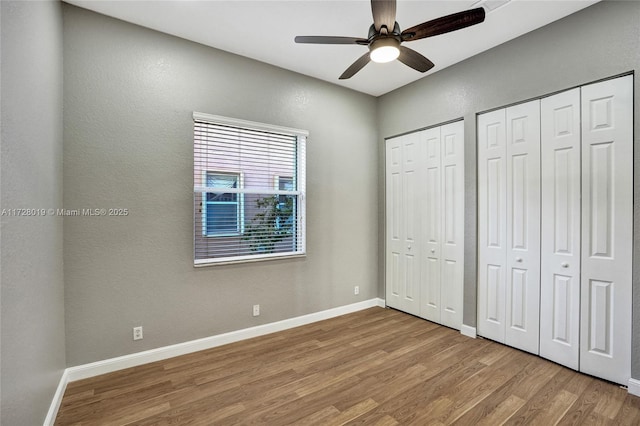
(373, 367)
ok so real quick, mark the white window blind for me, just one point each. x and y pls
(239, 214)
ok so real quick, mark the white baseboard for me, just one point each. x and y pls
(109, 365)
(126, 361)
(468, 331)
(634, 387)
(57, 400)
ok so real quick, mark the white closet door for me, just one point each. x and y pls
(560, 261)
(394, 263)
(492, 224)
(523, 226)
(452, 227)
(607, 223)
(432, 222)
(509, 225)
(403, 254)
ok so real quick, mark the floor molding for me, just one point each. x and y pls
(634, 387)
(139, 358)
(126, 361)
(57, 400)
(467, 330)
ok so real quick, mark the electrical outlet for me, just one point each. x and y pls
(356, 290)
(137, 333)
(256, 310)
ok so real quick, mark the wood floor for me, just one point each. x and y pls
(374, 367)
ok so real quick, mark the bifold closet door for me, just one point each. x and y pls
(523, 227)
(509, 225)
(425, 223)
(587, 208)
(607, 223)
(492, 224)
(403, 162)
(443, 225)
(560, 257)
(431, 225)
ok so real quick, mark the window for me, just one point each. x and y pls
(249, 190)
(222, 211)
(285, 207)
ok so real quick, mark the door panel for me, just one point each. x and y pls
(394, 207)
(494, 299)
(394, 278)
(560, 256)
(411, 285)
(601, 318)
(523, 226)
(518, 282)
(452, 224)
(607, 221)
(561, 320)
(451, 205)
(432, 216)
(394, 263)
(403, 229)
(432, 223)
(519, 204)
(495, 217)
(451, 294)
(492, 224)
(601, 178)
(412, 161)
(430, 299)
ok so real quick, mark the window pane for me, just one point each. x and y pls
(222, 218)
(285, 183)
(222, 181)
(286, 205)
(269, 227)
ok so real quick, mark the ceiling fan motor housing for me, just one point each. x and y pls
(384, 32)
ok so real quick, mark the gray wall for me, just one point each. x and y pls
(600, 41)
(129, 95)
(32, 289)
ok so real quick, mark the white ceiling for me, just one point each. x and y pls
(264, 30)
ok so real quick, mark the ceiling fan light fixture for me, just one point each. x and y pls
(384, 44)
(384, 50)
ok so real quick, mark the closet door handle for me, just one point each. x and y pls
(433, 250)
(564, 264)
(409, 247)
(519, 259)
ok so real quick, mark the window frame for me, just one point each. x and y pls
(239, 204)
(299, 234)
(276, 185)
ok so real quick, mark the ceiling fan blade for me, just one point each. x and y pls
(331, 40)
(445, 24)
(384, 13)
(356, 66)
(414, 60)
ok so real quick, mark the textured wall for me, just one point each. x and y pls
(32, 289)
(598, 42)
(129, 96)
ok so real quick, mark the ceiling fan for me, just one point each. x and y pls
(385, 38)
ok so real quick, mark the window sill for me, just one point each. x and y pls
(246, 259)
